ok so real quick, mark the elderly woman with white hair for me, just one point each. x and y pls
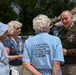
(43, 52)
(14, 46)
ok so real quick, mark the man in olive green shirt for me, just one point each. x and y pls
(68, 38)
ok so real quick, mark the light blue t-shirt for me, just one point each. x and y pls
(41, 50)
(4, 67)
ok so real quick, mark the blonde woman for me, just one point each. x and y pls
(14, 46)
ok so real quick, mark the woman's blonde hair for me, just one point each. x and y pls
(11, 26)
(41, 23)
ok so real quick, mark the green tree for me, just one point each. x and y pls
(31, 8)
(6, 11)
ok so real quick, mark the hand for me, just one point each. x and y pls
(64, 51)
(20, 56)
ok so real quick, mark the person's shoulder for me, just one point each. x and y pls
(7, 39)
(54, 37)
(30, 38)
(74, 28)
(74, 25)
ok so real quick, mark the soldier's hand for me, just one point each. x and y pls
(64, 51)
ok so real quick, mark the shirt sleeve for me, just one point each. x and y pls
(58, 54)
(7, 43)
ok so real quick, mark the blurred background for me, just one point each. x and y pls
(25, 10)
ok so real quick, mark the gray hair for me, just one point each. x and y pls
(41, 23)
(11, 26)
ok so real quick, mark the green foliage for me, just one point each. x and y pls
(28, 9)
(31, 8)
(71, 5)
(6, 11)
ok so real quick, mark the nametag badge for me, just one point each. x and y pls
(20, 44)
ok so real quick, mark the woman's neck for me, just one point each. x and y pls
(15, 38)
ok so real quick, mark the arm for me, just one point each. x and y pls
(10, 57)
(56, 67)
(30, 68)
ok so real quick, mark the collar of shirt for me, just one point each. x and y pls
(70, 26)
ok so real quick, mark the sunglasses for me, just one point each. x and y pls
(18, 28)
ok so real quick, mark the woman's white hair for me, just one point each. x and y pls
(11, 26)
(41, 23)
